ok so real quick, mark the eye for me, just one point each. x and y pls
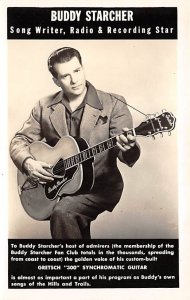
(64, 76)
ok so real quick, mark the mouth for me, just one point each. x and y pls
(76, 87)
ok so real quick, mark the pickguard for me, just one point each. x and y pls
(52, 188)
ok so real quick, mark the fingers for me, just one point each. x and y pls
(126, 140)
(45, 165)
(128, 133)
(39, 171)
(44, 169)
(44, 173)
(41, 175)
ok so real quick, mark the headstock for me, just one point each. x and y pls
(164, 122)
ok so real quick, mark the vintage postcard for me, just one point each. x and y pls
(94, 181)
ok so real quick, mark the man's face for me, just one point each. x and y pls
(70, 77)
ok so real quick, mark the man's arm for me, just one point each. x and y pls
(121, 120)
(30, 132)
(130, 150)
(19, 148)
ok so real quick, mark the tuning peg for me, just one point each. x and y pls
(169, 133)
(161, 134)
(153, 137)
(147, 116)
(150, 116)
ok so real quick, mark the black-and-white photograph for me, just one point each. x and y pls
(95, 149)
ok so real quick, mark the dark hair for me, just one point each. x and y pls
(62, 55)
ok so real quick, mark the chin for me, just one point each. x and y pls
(78, 91)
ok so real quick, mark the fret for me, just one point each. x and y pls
(94, 150)
(105, 145)
(89, 153)
(65, 164)
(101, 147)
(72, 159)
(77, 160)
(85, 155)
(80, 157)
(113, 141)
(110, 143)
(68, 162)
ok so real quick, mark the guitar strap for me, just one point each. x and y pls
(134, 108)
(137, 110)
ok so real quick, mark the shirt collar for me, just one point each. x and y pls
(67, 106)
(92, 97)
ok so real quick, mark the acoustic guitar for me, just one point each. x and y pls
(73, 166)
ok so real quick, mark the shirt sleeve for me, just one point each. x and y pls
(121, 118)
(30, 132)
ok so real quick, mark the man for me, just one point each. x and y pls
(78, 110)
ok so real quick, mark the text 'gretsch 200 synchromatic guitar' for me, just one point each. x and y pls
(72, 161)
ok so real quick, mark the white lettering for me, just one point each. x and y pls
(65, 15)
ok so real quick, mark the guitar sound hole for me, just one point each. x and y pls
(59, 169)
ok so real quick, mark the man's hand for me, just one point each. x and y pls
(38, 170)
(125, 141)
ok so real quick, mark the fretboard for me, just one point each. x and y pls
(89, 153)
(86, 154)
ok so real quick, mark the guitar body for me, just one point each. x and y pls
(38, 199)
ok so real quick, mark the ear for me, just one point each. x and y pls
(56, 81)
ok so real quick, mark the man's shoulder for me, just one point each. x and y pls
(51, 99)
(118, 97)
(110, 96)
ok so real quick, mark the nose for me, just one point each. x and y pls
(74, 78)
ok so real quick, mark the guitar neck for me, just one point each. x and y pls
(92, 151)
(164, 122)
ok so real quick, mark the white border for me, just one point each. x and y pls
(184, 157)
